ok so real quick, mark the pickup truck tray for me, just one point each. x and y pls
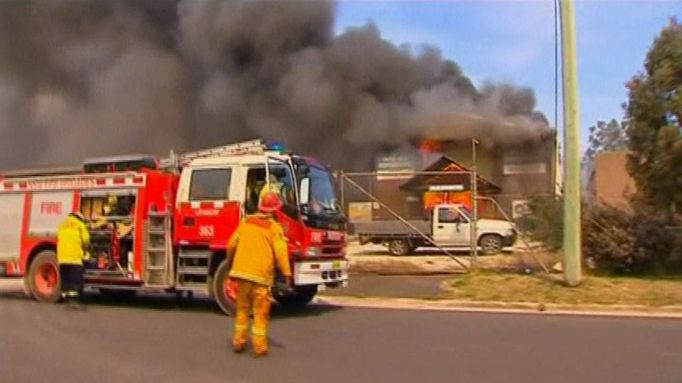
(392, 227)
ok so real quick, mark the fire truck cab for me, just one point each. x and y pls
(165, 225)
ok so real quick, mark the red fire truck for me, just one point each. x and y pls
(163, 225)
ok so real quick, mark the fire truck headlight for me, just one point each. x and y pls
(312, 251)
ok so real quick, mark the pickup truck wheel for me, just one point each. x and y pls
(225, 289)
(43, 277)
(490, 244)
(301, 296)
(398, 247)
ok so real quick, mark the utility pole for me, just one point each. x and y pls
(572, 245)
(474, 208)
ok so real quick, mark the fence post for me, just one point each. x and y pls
(342, 191)
(473, 242)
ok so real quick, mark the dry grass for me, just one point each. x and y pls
(549, 289)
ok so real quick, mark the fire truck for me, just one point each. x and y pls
(163, 225)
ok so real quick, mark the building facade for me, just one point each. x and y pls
(609, 182)
(509, 174)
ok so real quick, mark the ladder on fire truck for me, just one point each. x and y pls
(158, 250)
(178, 161)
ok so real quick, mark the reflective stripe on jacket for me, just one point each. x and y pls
(256, 248)
(73, 241)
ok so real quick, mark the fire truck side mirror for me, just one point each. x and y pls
(305, 191)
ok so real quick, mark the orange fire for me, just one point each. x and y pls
(430, 146)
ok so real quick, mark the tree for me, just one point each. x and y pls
(654, 111)
(605, 137)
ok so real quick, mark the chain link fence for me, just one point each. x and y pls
(419, 212)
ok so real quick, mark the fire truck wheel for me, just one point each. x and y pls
(43, 277)
(302, 296)
(225, 289)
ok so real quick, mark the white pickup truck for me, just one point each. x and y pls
(449, 226)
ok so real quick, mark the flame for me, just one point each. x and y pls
(430, 146)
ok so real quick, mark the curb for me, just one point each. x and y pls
(525, 308)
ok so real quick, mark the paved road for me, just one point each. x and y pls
(153, 339)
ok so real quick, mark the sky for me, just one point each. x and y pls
(513, 41)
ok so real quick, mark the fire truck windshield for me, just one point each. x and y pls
(318, 199)
(322, 195)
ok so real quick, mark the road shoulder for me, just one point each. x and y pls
(667, 312)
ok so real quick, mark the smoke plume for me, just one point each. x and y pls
(89, 78)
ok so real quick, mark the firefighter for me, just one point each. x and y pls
(255, 249)
(109, 209)
(282, 189)
(73, 241)
(273, 186)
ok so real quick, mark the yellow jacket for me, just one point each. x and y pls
(255, 248)
(73, 241)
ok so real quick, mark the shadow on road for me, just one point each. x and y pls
(171, 302)
(15, 295)
(312, 310)
(159, 302)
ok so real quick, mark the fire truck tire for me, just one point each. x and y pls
(224, 289)
(301, 296)
(43, 277)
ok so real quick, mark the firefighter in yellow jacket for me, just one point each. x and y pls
(255, 249)
(73, 241)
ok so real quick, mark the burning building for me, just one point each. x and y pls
(411, 181)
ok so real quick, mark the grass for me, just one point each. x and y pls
(601, 290)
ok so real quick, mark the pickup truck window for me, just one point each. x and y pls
(465, 212)
(449, 215)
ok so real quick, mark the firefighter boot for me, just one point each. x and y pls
(240, 336)
(72, 303)
(260, 346)
(238, 347)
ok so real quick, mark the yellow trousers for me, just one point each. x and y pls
(251, 295)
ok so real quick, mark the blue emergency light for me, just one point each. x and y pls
(277, 147)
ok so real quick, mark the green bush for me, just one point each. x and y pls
(615, 240)
(544, 224)
(609, 238)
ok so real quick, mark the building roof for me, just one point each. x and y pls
(460, 176)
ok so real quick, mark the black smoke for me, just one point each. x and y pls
(88, 78)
